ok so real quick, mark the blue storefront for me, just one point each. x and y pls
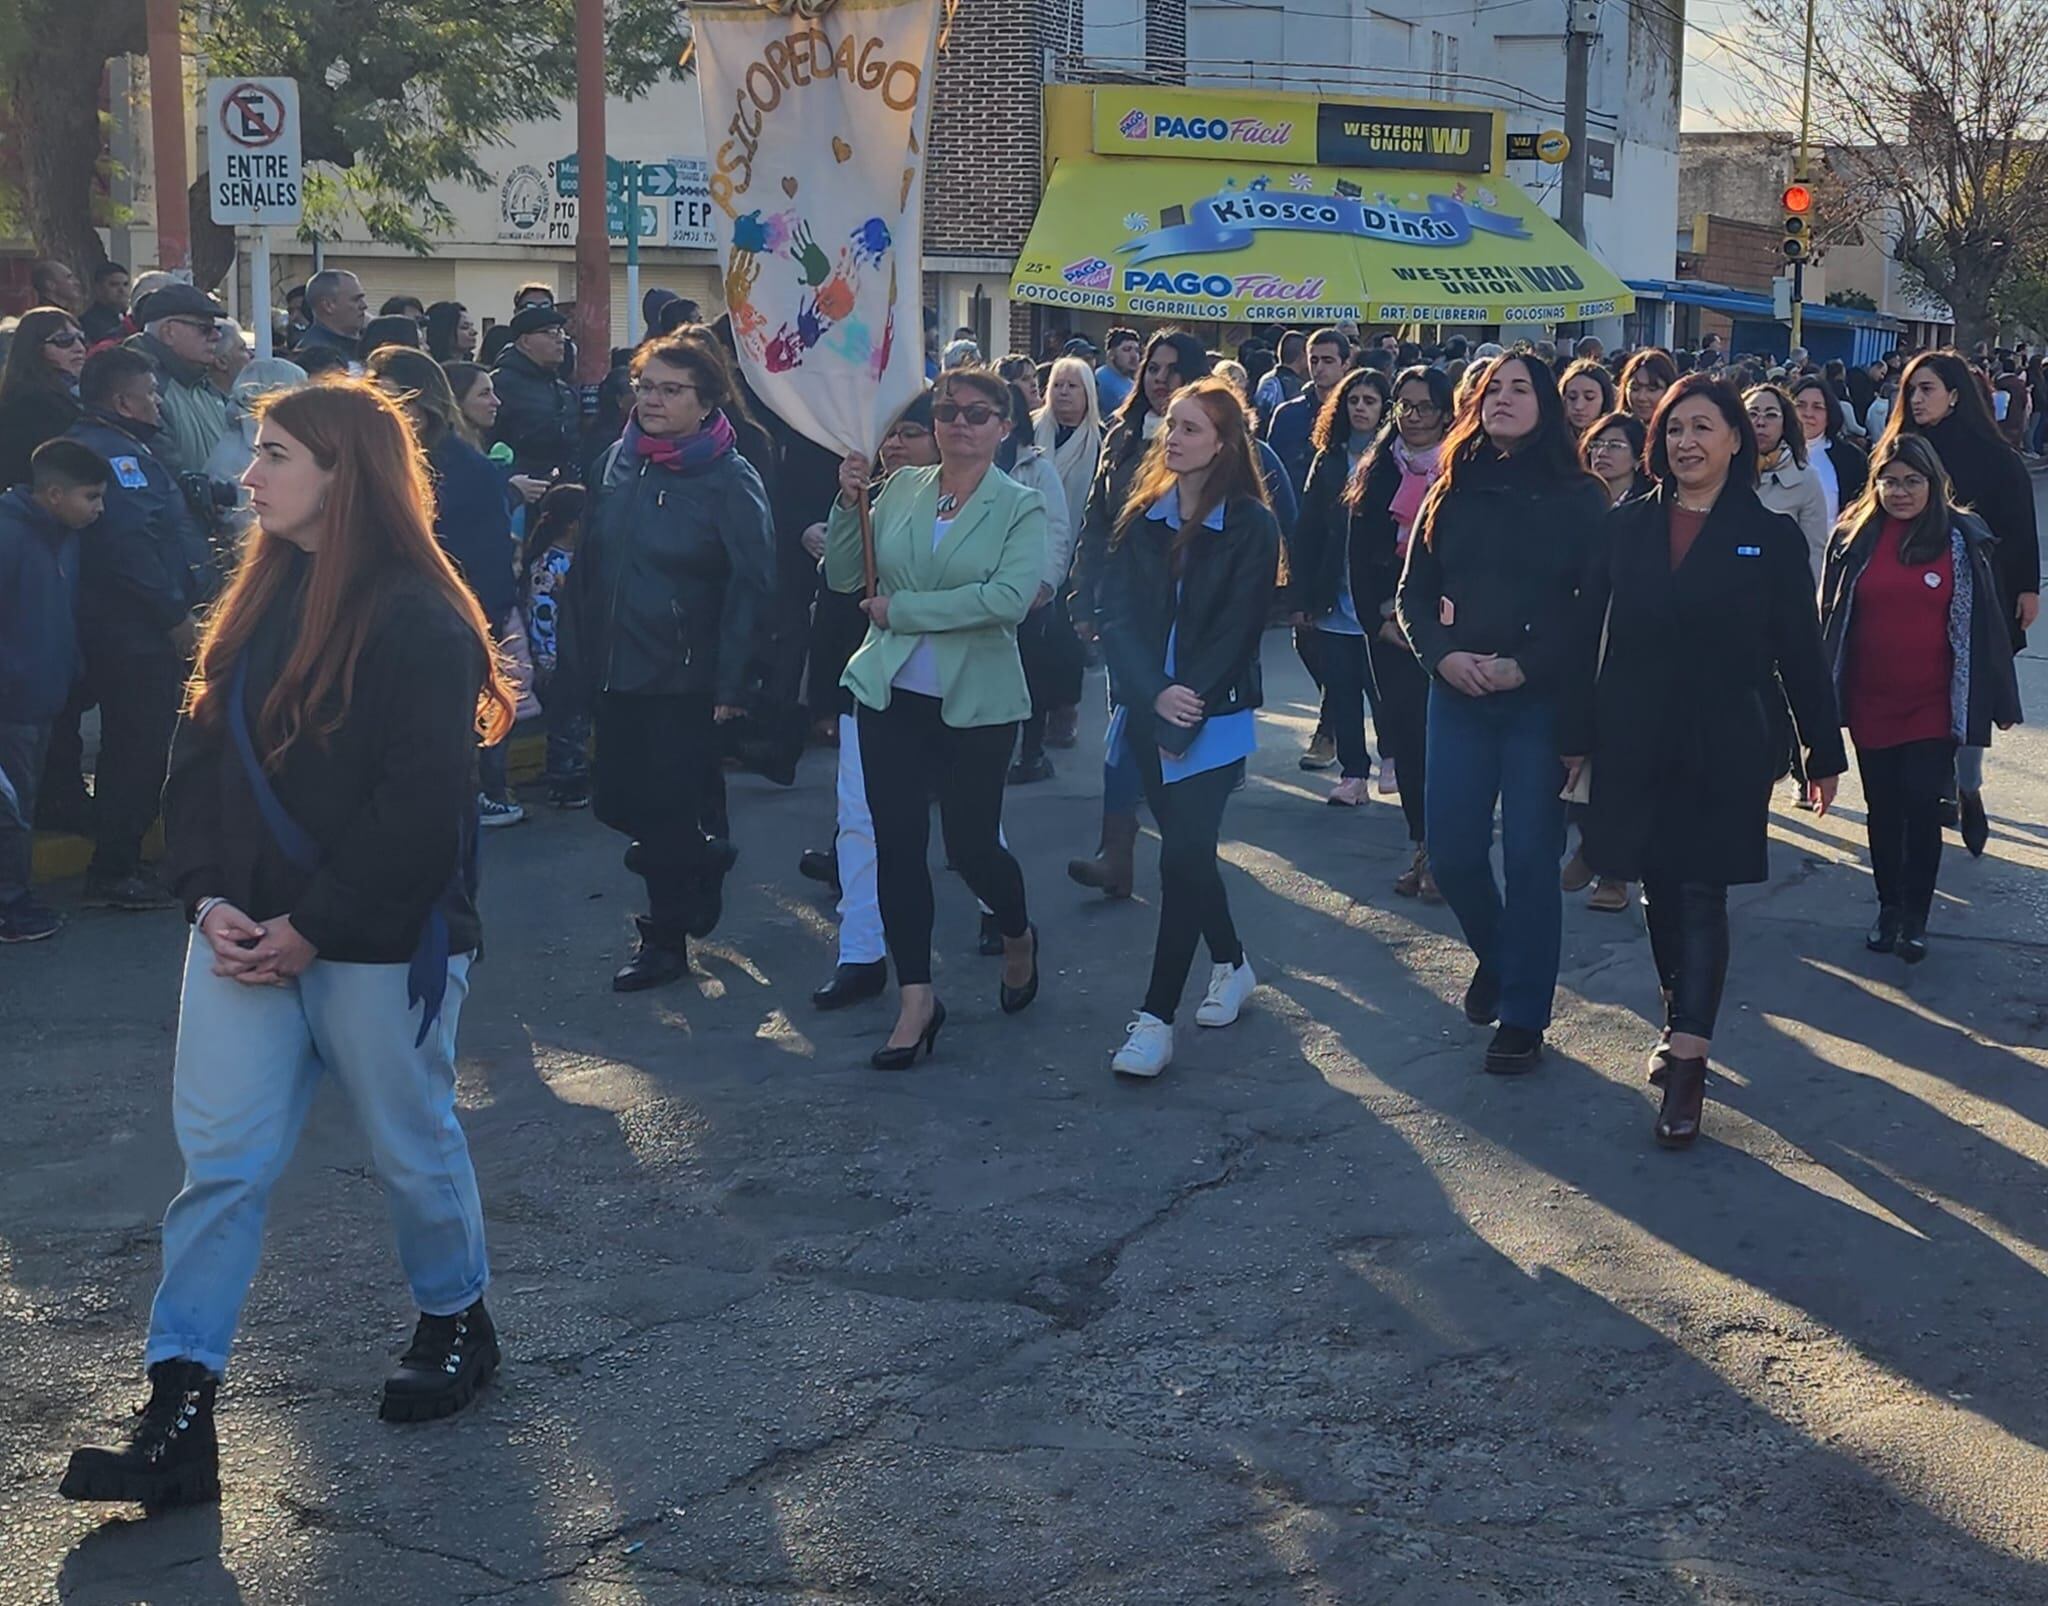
(1848, 333)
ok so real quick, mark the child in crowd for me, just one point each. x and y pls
(39, 525)
(550, 547)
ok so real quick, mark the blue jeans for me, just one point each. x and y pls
(1482, 748)
(248, 1061)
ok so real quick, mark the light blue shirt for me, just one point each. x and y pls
(1222, 740)
(1111, 390)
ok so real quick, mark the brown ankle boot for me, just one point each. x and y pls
(1111, 869)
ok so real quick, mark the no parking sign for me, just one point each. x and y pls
(252, 143)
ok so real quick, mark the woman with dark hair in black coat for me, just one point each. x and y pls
(1697, 604)
(1940, 398)
(1488, 601)
(1841, 464)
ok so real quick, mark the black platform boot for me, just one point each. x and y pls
(171, 1458)
(446, 1366)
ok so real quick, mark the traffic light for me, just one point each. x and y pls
(1798, 243)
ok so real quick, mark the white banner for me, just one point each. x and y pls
(816, 129)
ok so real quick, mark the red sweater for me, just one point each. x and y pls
(1900, 662)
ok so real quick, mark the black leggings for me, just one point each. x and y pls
(1402, 715)
(908, 755)
(657, 763)
(1903, 788)
(1192, 903)
(1689, 941)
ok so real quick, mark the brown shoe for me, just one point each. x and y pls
(1111, 870)
(1408, 884)
(1609, 897)
(1578, 874)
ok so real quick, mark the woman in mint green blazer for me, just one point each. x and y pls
(938, 687)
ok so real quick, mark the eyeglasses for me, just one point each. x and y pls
(1418, 409)
(910, 432)
(1602, 447)
(206, 326)
(974, 414)
(65, 338)
(1902, 482)
(647, 388)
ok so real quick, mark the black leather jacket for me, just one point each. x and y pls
(538, 417)
(1216, 614)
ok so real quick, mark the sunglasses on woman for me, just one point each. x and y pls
(972, 413)
(65, 338)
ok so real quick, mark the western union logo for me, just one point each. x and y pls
(1409, 137)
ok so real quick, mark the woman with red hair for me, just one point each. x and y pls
(321, 823)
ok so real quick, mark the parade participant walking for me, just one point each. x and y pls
(1291, 434)
(838, 629)
(320, 824)
(1841, 464)
(1069, 429)
(1589, 394)
(1909, 577)
(1612, 447)
(1384, 497)
(1644, 379)
(1045, 640)
(1171, 359)
(670, 595)
(1321, 597)
(939, 686)
(1940, 399)
(1488, 600)
(38, 387)
(1697, 606)
(1786, 482)
(1185, 597)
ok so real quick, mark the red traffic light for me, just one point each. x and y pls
(1798, 198)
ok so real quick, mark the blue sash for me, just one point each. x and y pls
(426, 977)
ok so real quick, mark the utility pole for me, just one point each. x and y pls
(593, 321)
(1581, 22)
(167, 119)
(1799, 176)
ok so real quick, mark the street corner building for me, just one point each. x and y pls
(1239, 207)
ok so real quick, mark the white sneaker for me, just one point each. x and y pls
(1229, 987)
(1390, 781)
(1147, 1051)
(491, 814)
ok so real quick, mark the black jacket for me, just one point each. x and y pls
(146, 564)
(29, 417)
(1985, 688)
(1374, 539)
(473, 523)
(1318, 550)
(390, 797)
(672, 581)
(1494, 567)
(1679, 720)
(1992, 482)
(318, 337)
(538, 417)
(1224, 599)
(1123, 448)
(1852, 469)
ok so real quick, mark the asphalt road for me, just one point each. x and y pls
(1325, 1316)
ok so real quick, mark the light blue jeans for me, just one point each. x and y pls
(248, 1061)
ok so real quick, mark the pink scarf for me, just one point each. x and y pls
(1418, 469)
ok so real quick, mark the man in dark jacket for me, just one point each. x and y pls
(538, 416)
(39, 525)
(142, 570)
(1291, 433)
(336, 310)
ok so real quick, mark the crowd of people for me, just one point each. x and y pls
(1630, 594)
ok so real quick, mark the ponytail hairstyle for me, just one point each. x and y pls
(1234, 476)
(378, 531)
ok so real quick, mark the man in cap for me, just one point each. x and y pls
(181, 326)
(537, 415)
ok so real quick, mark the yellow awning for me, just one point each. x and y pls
(1235, 242)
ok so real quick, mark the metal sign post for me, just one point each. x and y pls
(255, 174)
(632, 253)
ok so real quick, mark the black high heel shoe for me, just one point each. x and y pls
(1912, 944)
(886, 1058)
(1884, 936)
(1685, 1092)
(1015, 999)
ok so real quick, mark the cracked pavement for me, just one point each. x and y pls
(1324, 1316)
